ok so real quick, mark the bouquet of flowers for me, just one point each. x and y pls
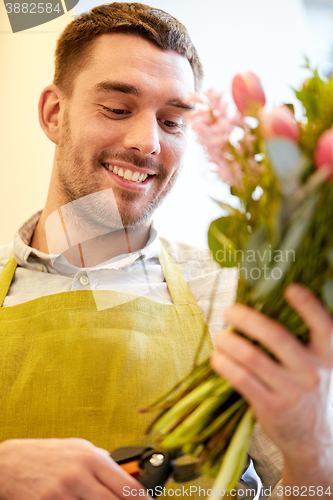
(280, 171)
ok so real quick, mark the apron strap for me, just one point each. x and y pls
(6, 278)
(179, 290)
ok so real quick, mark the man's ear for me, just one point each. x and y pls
(49, 106)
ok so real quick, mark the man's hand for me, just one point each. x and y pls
(290, 398)
(60, 469)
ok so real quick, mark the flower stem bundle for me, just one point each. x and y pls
(281, 171)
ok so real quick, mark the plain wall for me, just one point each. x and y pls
(26, 155)
(268, 37)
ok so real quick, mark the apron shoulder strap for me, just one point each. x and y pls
(6, 278)
(179, 290)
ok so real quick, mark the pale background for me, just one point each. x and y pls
(269, 37)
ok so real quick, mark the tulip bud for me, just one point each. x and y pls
(279, 124)
(323, 156)
(247, 93)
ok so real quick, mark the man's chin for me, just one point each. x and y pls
(131, 212)
(134, 220)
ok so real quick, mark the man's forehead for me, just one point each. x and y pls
(126, 57)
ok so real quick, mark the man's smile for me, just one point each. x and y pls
(129, 176)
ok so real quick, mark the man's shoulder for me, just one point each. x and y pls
(182, 252)
(197, 263)
(6, 252)
(214, 287)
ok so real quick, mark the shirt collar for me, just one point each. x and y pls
(30, 257)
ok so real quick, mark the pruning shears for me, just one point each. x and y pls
(152, 467)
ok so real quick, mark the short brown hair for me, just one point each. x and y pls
(76, 41)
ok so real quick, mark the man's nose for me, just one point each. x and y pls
(143, 135)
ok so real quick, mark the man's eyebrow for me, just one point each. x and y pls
(125, 88)
(180, 104)
(109, 86)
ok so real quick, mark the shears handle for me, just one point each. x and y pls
(149, 466)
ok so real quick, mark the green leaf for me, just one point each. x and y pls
(296, 231)
(330, 255)
(257, 239)
(314, 95)
(287, 161)
(223, 250)
(225, 206)
(255, 256)
(290, 106)
(327, 293)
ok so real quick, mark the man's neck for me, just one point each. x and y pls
(93, 251)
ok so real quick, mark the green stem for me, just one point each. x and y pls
(197, 372)
(197, 420)
(218, 422)
(235, 456)
(192, 399)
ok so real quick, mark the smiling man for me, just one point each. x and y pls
(73, 375)
(120, 126)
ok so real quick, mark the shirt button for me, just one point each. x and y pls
(40, 268)
(84, 280)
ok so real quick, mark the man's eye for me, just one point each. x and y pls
(118, 111)
(170, 124)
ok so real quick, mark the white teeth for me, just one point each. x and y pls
(128, 175)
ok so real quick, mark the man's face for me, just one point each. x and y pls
(125, 116)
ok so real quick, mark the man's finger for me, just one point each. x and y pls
(252, 389)
(279, 341)
(103, 451)
(316, 318)
(116, 479)
(256, 362)
(94, 490)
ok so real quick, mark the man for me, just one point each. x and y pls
(116, 115)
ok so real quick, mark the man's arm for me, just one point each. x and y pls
(290, 396)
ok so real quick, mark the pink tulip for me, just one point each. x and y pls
(323, 155)
(247, 93)
(279, 124)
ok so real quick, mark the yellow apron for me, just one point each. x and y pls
(69, 370)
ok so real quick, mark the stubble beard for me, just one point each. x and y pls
(77, 179)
